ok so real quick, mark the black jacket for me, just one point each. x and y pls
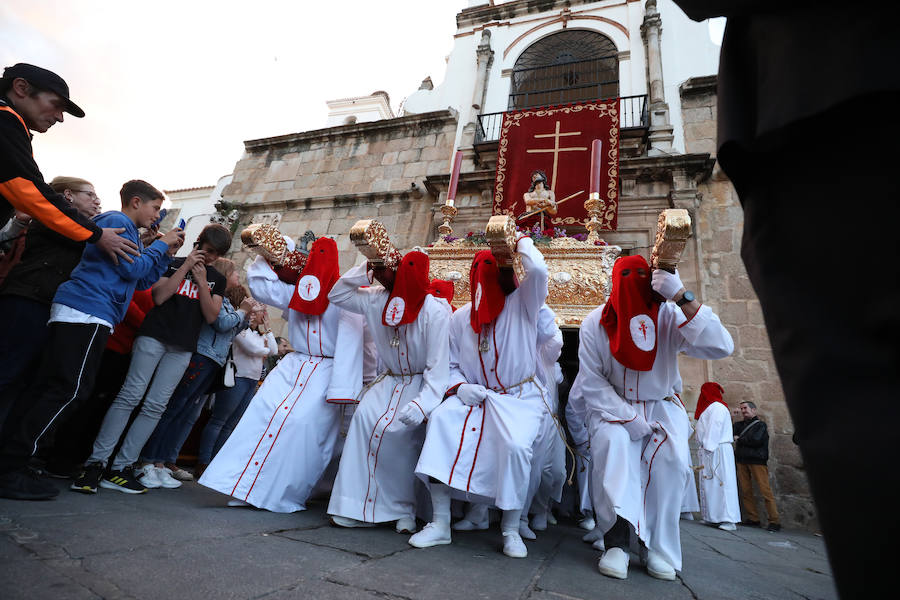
(752, 445)
(48, 261)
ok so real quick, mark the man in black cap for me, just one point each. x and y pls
(34, 99)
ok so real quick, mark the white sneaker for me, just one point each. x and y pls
(433, 534)
(165, 478)
(467, 525)
(348, 522)
(726, 526)
(551, 519)
(592, 536)
(513, 546)
(587, 523)
(658, 567)
(539, 522)
(525, 532)
(614, 563)
(406, 525)
(148, 477)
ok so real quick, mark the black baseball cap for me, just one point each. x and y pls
(45, 80)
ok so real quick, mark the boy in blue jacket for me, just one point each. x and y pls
(85, 309)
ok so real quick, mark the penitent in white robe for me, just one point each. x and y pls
(643, 480)
(718, 480)
(286, 438)
(375, 480)
(484, 452)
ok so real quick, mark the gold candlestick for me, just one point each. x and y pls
(592, 206)
(449, 211)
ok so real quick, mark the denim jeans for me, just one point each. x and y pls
(182, 411)
(227, 411)
(155, 365)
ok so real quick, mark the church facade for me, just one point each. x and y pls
(530, 53)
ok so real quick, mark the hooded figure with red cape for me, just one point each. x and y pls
(375, 482)
(628, 369)
(287, 435)
(479, 445)
(719, 504)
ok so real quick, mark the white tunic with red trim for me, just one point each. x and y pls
(283, 443)
(484, 452)
(375, 480)
(643, 481)
(718, 478)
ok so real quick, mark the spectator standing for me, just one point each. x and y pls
(34, 99)
(160, 453)
(162, 350)
(27, 292)
(251, 346)
(751, 452)
(83, 313)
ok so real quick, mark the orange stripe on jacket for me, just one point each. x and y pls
(23, 194)
(18, 116)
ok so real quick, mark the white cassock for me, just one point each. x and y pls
(576, 418)
(483, 453)
(644, 480)
(548, 465)
(718, 480)
(284, 441)
(375, 480)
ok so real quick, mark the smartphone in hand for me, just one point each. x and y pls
(181, 224)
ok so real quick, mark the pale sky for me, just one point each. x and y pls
(172, 89)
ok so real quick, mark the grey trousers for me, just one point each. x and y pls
(154, 364)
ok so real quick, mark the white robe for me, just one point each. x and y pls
(285, 439)
(644, 480)
(375, 480)
(484, 452)
(718, 479)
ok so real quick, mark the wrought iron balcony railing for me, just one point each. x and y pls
(633, 114)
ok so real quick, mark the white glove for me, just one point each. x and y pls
(411, 415)
(637, 428)
(471, 394)
(667, 284)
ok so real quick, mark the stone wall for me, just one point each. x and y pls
(750, 373)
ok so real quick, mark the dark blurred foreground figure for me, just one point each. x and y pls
(807, 93)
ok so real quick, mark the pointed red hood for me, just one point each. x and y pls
(441, 288)
(317, 278)
(487, 295)
(411, 285)
(710, 392)
(629, 316)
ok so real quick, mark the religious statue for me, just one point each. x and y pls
(539, 196)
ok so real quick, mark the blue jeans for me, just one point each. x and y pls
(227, 411)
(182, 411)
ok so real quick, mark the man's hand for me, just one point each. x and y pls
(411, 415)
(668, 285)
(117, 246)
(471, 394)
(23, 217)
(174, 239)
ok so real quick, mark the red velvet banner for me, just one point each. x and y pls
(557, 142)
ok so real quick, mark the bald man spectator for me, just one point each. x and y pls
(34, 99)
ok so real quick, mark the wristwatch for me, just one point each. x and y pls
(688, 296)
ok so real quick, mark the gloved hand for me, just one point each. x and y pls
(471, 394)
(665, 283)
(411, 415)
(637, 428)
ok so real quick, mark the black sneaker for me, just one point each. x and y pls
(24, 484)
(123, 481)
(749, 523)
(774, 527)
(88, 479)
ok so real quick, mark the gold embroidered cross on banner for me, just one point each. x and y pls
(555, 149)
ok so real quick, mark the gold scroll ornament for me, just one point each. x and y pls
(501, 237)
(372, 240)
(672, 232)
(268, 242)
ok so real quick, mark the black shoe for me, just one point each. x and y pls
(88, 479)
(62, 471)
(24, 484)
(774, 527)
(123, 481)
(749, 523)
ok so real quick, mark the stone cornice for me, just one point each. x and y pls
(318, 202)
(659, 168)
(479, 15)
(707, 84)
(438, 117)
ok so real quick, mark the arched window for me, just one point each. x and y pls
(569, 66)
